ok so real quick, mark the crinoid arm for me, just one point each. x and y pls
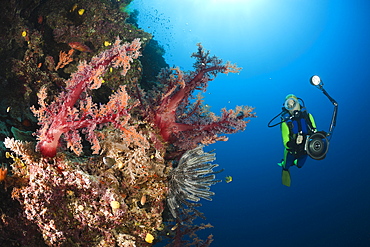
(191, 180)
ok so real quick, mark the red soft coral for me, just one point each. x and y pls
(184, 123)
(67, 116)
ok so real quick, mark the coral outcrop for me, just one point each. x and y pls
(96, 155)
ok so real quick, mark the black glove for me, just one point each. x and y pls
(292, 145)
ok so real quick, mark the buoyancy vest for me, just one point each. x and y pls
(299, 124)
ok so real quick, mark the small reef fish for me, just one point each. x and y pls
(143, 200)
(74, 7)
(149, 238)
(228, 179)
(81, 11)
(79, 47)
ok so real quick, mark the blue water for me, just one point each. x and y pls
(281, 44)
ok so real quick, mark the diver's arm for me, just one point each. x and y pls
(312, 121)
(285, 134)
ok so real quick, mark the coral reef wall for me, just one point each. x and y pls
(96, 151)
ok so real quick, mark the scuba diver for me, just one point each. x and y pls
(297, 124)
(299, 133)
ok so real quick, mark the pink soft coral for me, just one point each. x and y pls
(71, 111)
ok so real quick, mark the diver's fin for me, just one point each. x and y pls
(281, 163)
(285, 178)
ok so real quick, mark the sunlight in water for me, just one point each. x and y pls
(230, 9)
(242, 2)
(229, 3)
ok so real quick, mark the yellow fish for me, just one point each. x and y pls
(81, 11)
(228, 179)
(149, 238)
(74, 7)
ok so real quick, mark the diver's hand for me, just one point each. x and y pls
(292, 145)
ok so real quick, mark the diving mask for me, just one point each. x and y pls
(291, 104)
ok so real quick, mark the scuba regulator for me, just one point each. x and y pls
(317, 144)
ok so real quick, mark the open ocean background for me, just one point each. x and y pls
(280, 44)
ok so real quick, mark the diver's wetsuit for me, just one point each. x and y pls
(303, 124)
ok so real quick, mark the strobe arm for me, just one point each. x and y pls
(317, 82)
(335, 112)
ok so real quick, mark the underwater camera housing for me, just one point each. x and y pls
(317, 145)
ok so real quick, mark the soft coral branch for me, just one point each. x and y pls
(186, 124)
(65, 116)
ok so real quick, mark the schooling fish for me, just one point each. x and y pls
(79, 47)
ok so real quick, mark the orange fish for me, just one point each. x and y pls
(79, 47)
(40, 19)
(3, 173)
